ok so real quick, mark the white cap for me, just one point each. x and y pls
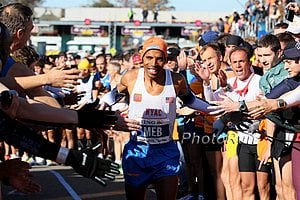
(294, 27)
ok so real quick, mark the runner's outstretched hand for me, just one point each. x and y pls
(86, 163)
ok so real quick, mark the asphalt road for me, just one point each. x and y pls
(62, 183)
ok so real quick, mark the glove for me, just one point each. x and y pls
(234, 117)
(244, 124)
(90, 117)
(73, 98)
(86, 163)
(237, 118)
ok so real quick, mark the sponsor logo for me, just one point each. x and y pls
(170, 99)
(149, 112)
(137, 97)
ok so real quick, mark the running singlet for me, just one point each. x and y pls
(155, 113)
(104, 80)
(85, 85)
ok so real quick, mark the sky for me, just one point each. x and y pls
(180, 5)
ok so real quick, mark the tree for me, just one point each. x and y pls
(102, 3)
(154, 4)
(148, 4)
(126, 3)
(31, 4)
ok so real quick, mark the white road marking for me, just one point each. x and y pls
(69, 189)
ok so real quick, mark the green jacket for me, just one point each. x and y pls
(273, 77)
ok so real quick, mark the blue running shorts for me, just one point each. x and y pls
(143, 163)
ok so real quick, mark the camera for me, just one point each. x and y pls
(289, 15)
(190, 52)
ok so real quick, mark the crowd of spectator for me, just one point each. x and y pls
(226, 64)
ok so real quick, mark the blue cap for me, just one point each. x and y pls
(292, 51)
(208, 37)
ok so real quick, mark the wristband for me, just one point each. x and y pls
(62, 155)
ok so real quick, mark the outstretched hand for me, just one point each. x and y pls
(224, 106)
(73, 98)
(63, 78)
(262, 107)
(125, 124)
(90, 117)
(293, 6)
(16, 174)
(202, 72)
(91, 106)
(86, 163)
(182, 60)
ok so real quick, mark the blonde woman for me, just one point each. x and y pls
(119, 137)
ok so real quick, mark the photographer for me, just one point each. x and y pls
(293, 17)
(294, 7)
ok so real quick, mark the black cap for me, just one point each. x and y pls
(292, 51)
(234, 40)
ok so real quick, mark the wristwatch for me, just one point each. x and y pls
(281, 104)
(227, 88)
(243, 107)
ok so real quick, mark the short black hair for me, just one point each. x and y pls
(269, 40)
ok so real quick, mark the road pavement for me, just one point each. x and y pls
(63, 183)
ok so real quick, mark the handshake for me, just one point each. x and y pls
(86, 117)
(85, 162)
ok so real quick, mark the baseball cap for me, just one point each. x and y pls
(84, 64)
(292, 51)
(208, 37)
(294, 27)
(155, 43)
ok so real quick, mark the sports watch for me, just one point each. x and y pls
(281, 104)
(243, 107)
(227, 88)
